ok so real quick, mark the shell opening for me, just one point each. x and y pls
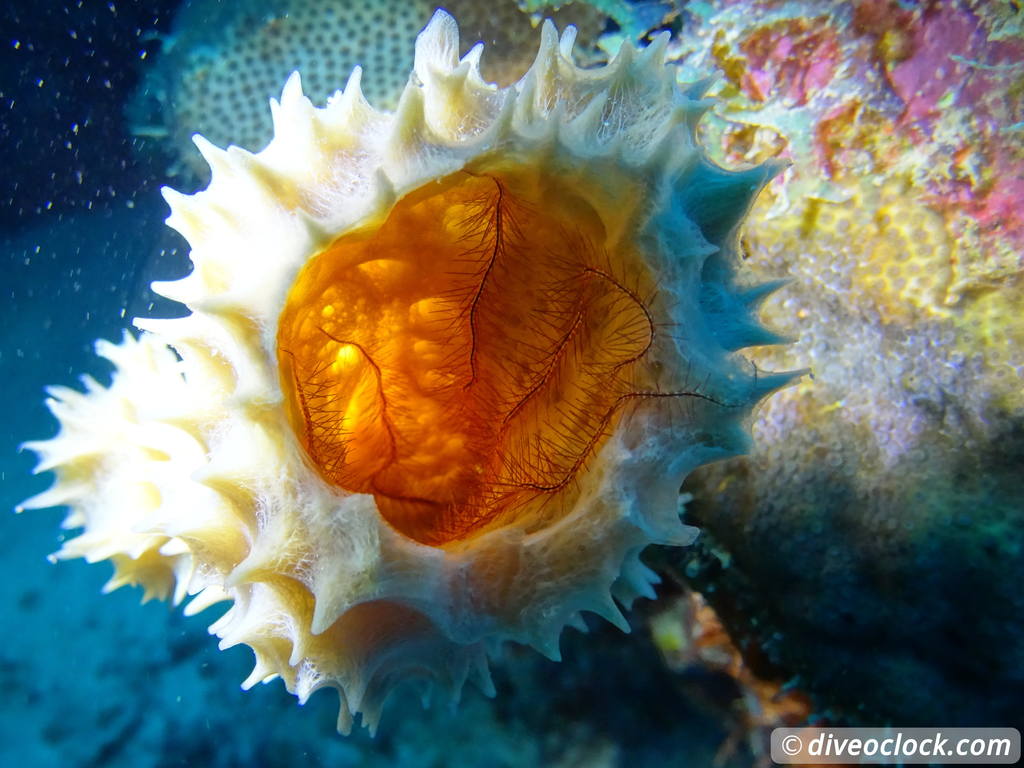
(463, 359)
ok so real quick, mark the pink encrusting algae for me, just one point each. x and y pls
(900, 228)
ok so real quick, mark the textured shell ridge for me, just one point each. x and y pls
(188, 475)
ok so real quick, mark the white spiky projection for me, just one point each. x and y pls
(200, 470)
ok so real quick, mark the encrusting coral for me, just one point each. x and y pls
(879, 511)
(445, 371)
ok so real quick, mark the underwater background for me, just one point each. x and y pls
(863, 566)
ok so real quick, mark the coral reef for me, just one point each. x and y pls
(879, 501)
(445, 371)
(890, 600)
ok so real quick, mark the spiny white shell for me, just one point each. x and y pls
(186, 473)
